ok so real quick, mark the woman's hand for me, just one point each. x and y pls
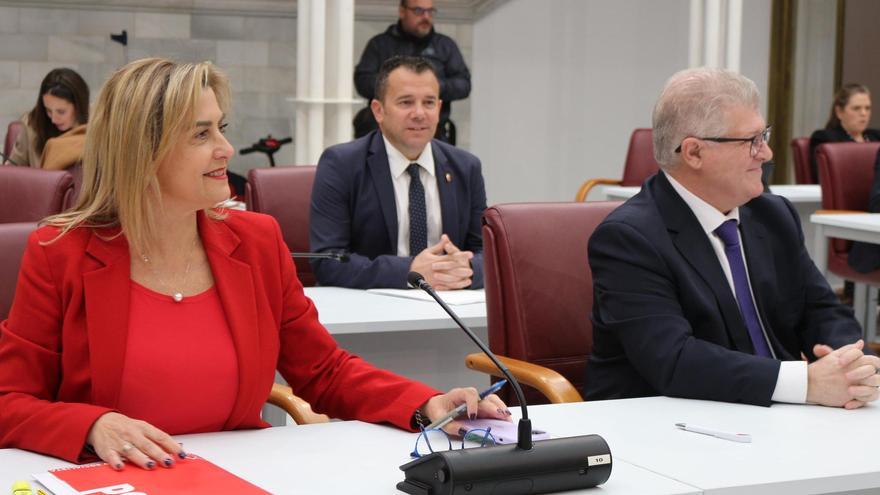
(490, 407)
(115, 437)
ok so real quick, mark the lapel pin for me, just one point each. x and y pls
(448, 177)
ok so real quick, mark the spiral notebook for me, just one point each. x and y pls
(193, 476)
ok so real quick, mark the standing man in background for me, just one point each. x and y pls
(414, 35)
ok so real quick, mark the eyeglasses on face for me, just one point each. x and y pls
(431, 11)
(756, 142)
(437, 440)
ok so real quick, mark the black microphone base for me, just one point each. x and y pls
(550, 466)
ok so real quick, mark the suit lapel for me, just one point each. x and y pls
(235, 286)
(380, 171)
(448, 198)
(107, 309)
(690, 240)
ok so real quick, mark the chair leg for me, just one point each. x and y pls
(860, 303)
(871, 314)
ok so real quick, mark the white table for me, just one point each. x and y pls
(334, 458)
(413, 338)
(863, 227)
(796, 449)
(351, 311)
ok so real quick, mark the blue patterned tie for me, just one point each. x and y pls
(418, 218)
(729, 235)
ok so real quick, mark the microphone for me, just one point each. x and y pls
(341, 256)
(525, 468)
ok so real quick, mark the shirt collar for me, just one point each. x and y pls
(708, 216)
(399, 163)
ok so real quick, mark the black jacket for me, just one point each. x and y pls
(865, 257)
(439, 49)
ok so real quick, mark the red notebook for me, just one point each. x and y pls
(193, 476)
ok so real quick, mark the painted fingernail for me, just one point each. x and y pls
(507, 412)
(118, 466)
(472, 415)
(462, 431)
(181, 454)
(151, 465)
(168, 461)
(501, 411)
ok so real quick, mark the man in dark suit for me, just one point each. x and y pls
(702, 286)
(396, 200)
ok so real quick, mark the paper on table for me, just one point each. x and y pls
(451, 297)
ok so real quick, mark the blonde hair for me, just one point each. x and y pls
(140, 114)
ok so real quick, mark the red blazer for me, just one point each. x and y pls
(62, 349)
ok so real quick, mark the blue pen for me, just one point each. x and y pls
(440, 423)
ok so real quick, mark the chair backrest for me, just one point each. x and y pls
(31, 194)
(286, 194)
(13, 238)
(846, 172)
(539, 288)
(640, 163)
(800, 152)
(12, 131)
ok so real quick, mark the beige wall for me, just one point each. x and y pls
(861, 49)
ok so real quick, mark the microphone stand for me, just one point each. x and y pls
(525, 468)
(342, 256)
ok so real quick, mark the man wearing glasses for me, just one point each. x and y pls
(414, 35)
(702, 285)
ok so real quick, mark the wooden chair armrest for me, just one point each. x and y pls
(586, 186)
(298, 409)
(550, 383)
(838, 212)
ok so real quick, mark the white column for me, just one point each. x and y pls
(302, 81)
(712, 38)
(695, 40)
(317, 21)
(734, 35)
(340, 65)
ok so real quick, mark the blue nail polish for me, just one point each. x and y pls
(118, 466)
(462, 431)
(181, 454)
(151, 465)
(472, 415)
(167, 462)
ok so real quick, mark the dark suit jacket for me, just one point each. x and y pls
(353, 209)
(863, 256)
(834, 135)
(62, 350)
(665, 320)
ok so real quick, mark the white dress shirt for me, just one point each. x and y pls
(791, 384)
(400, 178)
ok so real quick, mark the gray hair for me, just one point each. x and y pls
(694, 102)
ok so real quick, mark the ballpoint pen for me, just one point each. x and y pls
(440, 423)
(733, 437)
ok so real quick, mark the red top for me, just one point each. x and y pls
(181, 369)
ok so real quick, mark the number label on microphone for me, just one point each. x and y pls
(598, 460)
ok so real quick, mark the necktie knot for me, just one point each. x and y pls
(413, 170)
(728, 233)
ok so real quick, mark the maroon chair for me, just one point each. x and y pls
(539, 294)
(286, 194)
(13, 239)
(800, 152)
(31, 194)
(846, 172)
(12, 131)
(640, 164)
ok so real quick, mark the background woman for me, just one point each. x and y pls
(848, 122)
(145, 311)
(62, 105)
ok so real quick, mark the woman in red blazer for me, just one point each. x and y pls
(145, 311)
